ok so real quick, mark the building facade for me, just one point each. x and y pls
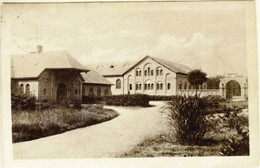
(150, 76)
(53, 76)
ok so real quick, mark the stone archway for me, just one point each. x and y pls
(233, 89)
(233, 86)
(61, 92)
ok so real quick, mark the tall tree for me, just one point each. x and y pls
(197, 77)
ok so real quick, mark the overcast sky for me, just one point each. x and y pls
(211, 39)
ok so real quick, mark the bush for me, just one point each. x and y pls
(21, 101)
(238, 143)
(161, 98)
(187, 118)
(128, 100)
(91, 99)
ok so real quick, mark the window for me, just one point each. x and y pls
(152, 86)
(151, 72)
(99, 91)
(161, 86)
(118, 84)
(44, 91)
(185, 85)
(130, 87)
(180, 85)
(149, 86)
(106, 91)
(158, 86)
(91, 91)
(27, 89)
(140, 73)
(145, 73)
(21, 89)
(140, 86)
(157, 72)
(161, 72)
(76, 91)
(168, 86)
(136, 73)
(136, 87)
(145, 86)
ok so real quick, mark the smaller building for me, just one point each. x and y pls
(95, 84)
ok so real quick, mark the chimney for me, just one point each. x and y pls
(38, 49)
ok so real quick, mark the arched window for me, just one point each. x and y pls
(91, 91)
(161, 86)
(27, 89)
(145, 73)
(158, 86)
(149, 86)
(145, 86)
(140, 73)
(136, 73)
(161, 72)
(21, 89)
(99, 91)
(168, 86)
(152, 86)
(157, 72)
(151, 72)
(130, 86)
(140, 86)
(118, 84)
(137, 86)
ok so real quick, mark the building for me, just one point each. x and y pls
(95, 84)
(150, 75)
(53, 76)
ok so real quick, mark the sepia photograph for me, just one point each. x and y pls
(130, 80)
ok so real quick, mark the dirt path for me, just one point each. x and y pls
(107, 139)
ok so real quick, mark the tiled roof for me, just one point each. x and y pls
(108, 70)
(31, 65)
(93, 77)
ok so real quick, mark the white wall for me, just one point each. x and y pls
(168, 76)
(113, 87)
(33, 86)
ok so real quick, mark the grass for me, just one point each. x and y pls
(164, 146)
(33, 124)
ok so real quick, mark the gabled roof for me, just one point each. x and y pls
(118, 70)
(92, 77)
(31, 65)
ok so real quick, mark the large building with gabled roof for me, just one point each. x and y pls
(54, 76)
(150, 75)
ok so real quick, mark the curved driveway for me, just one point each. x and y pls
(108, 139)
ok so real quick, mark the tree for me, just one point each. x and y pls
(197, 77)
(213, 82)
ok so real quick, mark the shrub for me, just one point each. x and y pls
(161, 98)
(21, 101)
(238, 143)
(128, 100)
(91, 99)
(186, 116)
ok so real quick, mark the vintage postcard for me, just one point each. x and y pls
(129, 84)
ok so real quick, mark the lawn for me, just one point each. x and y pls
(33, 124)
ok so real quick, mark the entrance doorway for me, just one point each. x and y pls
(61, 92)
(233, 89)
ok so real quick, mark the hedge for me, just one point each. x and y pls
(128, 100)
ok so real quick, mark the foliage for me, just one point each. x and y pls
(22, 101)
(238, 143)
(33, 124)
(197, 77)
(187, 119)
(213, 82)
(91, 99)
(161, 98)
(128, 100)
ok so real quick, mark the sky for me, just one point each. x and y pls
(212, 39)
